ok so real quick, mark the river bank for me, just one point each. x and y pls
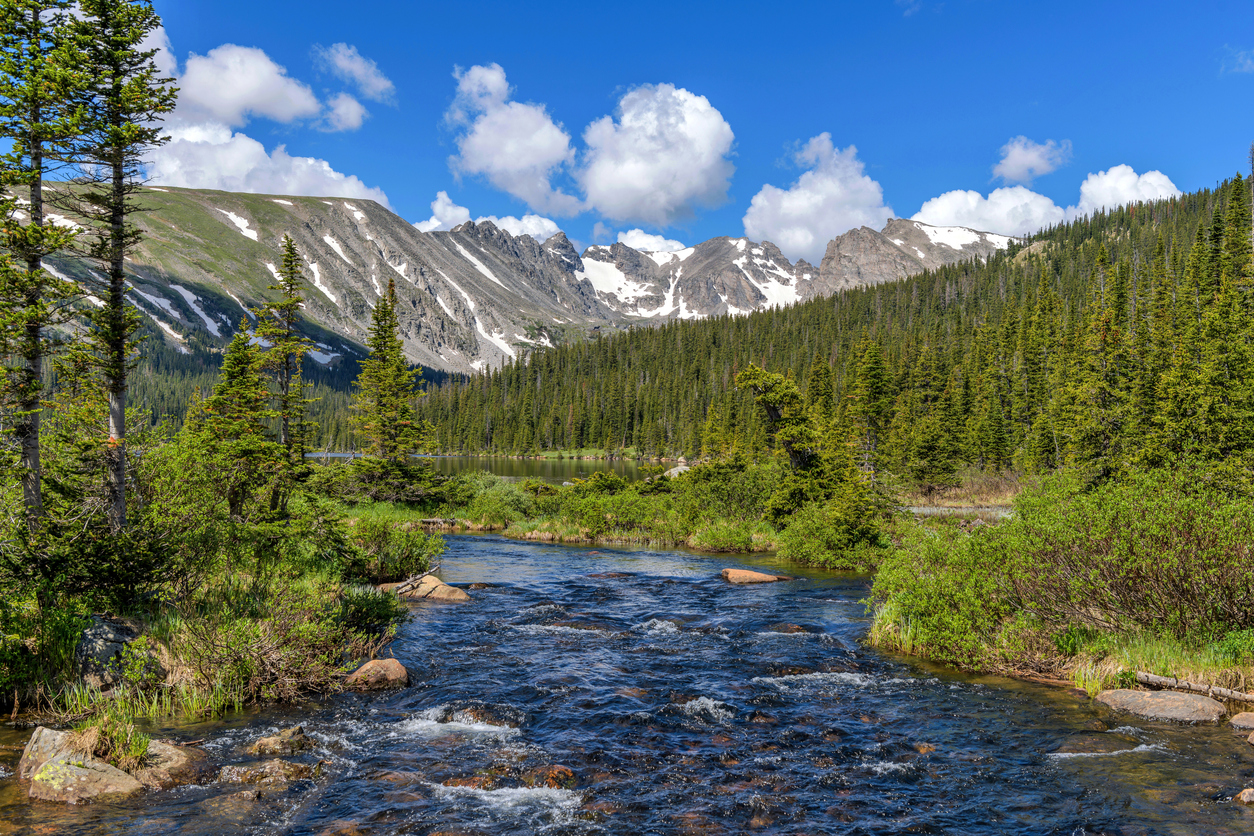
(680, 704)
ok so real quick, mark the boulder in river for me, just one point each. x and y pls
(1243, 721)
(73, 778)
(378, 675)
(1245, 797)
(267, 773)
(287, 742)
(746, 576)
(1164, 705)
(169, 766)
(432, 588)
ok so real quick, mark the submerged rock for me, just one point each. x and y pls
(1245, 797)
(287, 742)
(1164, 705)
(745, 576)
(270, 772)
(1243, 721)
(553, 776)
(378, 675)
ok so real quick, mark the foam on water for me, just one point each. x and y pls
(707, 709)
(554, 628)
(427, 724)
(657, 626)
(1144, 747)
(858, 680)
(889, 767)
(562, 805)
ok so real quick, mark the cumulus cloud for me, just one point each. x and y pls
(537, 227)
(350, 65)
(1119, 185)
(232, 84)
(1023, 160)
(638, 239)
(832, 197)
(211, 156)
(166, 62)
(601, 232)
(1015, 210)
(666, 154)
(1238, 61)
(344, 113)
(445, 214)
(516, 146)
(1020, 211)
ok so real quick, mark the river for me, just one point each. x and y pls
(684, 705)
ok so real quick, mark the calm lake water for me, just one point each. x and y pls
(683, 705)
(548, 470)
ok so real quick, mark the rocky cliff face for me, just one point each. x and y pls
(475, 296)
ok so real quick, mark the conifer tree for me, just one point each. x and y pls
(385, 390)
(124, 102)
(39, 88)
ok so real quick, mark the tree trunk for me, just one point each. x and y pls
(29, 402)
(115, 373)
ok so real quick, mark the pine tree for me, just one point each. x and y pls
(385, 390)
(38, 89)
(124, 102)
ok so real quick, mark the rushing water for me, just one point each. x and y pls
(684, 705)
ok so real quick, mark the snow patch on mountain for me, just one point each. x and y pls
(956, 237)
(317, 282)
(193, 301)
(335, 245)
(478, 265)
(241, 223)
(608, 279)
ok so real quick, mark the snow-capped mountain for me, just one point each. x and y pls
(476, 296)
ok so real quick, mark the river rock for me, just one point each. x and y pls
(1245, 797)
(1164, 705)
(553, 776)
(677, 471)
(1243, 721)
(72, 779)
(44, 745)
(287, 742)
(268, 773)
(432, 588)
(169, 766)
(378, 675)
(745, 576)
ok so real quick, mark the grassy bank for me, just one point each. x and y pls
(1151, 573)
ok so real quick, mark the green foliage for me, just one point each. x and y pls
(390, 552)
(833, 535)
(1236, 647)
(368, 611)
(111, 735)
(373, 479)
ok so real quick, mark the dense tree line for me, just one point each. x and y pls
(1112, 338)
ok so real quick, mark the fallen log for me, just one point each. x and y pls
(1212, 691)
(413, 581)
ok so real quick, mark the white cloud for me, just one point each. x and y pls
(211, 156)
(350, 65)
(832, 197)
(601, 232)
(516, 146)
(1119, 185)
(1014, 210)
(344, 113)
(165, 60)
(445, 214)
(638, 239)
(537, 227)
(233, 83)
(667, 153)
(1238, 61)
(1023, 160)
(1020, 211)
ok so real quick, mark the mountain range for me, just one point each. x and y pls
(475, 296)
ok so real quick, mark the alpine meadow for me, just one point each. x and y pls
(320, 519)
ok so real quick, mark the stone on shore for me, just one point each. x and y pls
(100, 648)
(1164, 705)
(1243, 721)
(287, 742)
(745, 576)
(1245, 797)
(378, 675)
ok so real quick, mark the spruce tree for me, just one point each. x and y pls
(124, 102)
(385, 390)
(39, 87)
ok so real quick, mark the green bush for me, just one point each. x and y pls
(1236, 646)
(831, 535)
(724, 536)
(390, 552)
(365, 609)
(499, 504)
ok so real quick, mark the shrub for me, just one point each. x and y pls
(364, 609)
(830, 535)
(389, 552)
(724, 536)
(111, 736)
(500, 504)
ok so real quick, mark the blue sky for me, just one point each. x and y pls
(672, 118)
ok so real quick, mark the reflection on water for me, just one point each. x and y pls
(682, 704)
